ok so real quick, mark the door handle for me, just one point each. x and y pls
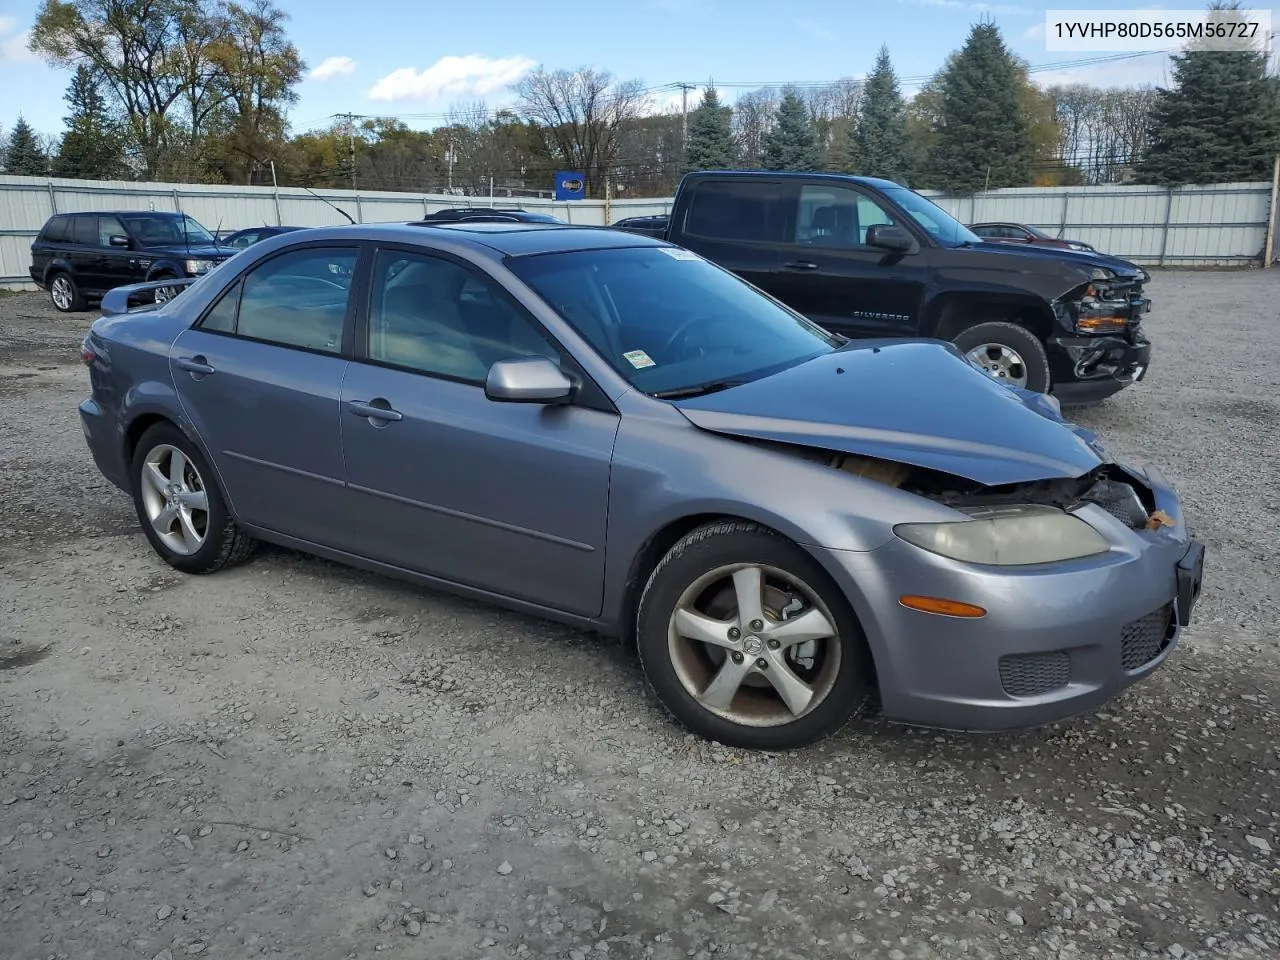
(377, 409)
(196, 366)
(800, 265)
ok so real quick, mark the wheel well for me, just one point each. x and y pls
(135, 431)
(958, 313)
(648, 557)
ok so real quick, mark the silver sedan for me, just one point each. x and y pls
(605, 429)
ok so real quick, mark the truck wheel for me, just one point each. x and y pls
(1007, 353)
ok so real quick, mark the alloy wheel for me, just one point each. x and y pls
(754, 645)
(999, 362)
(61, 292)
(174, 498)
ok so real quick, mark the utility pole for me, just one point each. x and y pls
(351, 143)
(684, 118)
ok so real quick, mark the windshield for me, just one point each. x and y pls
(158, 231)
(668, 321)
(943, 227)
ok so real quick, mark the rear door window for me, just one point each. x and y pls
(85, 230)
(736, 210)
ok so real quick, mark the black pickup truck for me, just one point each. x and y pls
(869, 258)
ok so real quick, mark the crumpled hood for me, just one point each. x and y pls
(912, 401)
(1083, 259)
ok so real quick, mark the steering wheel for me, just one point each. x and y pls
(688, 325)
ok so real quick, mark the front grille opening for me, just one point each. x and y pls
(1144, 639)
(1034, 674)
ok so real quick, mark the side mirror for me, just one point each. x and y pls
(527, 380)
(890, 236)
(116, 240)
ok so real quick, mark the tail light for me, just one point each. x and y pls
(87, 355)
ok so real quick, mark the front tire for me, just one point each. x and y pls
(1008, 353)
(65, 294)
(163, 295)
(180, 507)
(745, 640)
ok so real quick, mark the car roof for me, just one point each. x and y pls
(507, 239)
(878, 182)
(118, 213)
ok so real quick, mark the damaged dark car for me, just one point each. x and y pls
(611, 431)
(865, 257)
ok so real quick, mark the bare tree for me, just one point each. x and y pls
(1102, 130)
(752, 118)
(582, 113)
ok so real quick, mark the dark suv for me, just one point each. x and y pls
(80, 256)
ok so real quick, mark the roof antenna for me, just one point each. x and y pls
(335, 206)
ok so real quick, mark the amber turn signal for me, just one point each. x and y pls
(946, 608)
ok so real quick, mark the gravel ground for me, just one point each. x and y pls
(296, 759)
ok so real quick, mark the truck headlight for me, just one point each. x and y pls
(1008, 536)
(197, 267)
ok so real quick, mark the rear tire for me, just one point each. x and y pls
(179, 505)
(65, 294)
(1008, 353)
(796, 676)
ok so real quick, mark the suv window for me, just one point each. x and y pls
(85, 230)
(735, 210)
(836, 216)
(56, 230)
(298, 299)
(437, 317)
(109, 227)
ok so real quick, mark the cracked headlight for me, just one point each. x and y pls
(1102, 273)
(1008, 536)
(197, 267)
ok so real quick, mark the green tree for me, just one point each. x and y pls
(23, 155)
(982, 129)
(878, 144)
(1218, 123)
(91, 148)
(711, 145)
(791, 144)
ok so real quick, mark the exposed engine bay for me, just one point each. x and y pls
(1122, 494)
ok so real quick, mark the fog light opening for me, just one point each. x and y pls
(941, 606)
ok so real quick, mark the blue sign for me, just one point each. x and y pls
(570, 185)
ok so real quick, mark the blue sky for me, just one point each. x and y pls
(415, 59)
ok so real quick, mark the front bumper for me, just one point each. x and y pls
(1089, 369)
(1057, 640)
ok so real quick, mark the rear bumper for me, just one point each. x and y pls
(1089, 369)
(1057, 640)
(104, 443)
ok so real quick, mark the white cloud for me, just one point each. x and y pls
(472, 75)
(1032, 33)
(1140, 71)
(974, 6)
(815, 29)
(331, 67)
(13, 49)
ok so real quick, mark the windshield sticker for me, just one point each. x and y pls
(638, 359)
(679, 253)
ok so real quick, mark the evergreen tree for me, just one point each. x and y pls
(982, 131)
(878, 145)
(24, 156)
(791, 145)
(1219, 123)
(711, 145)
(92, 148)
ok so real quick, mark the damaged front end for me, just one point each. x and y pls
(1105, 348)
(1117, 490)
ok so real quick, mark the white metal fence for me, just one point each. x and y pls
(1219, 225)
